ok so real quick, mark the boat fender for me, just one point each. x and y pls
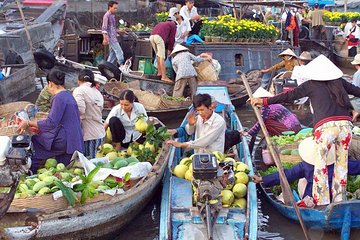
(109, 70)
(44, 59)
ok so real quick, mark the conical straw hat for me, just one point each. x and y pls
(322, 69)
(305, 56)
(261, 93)
(288, 52)
(178, 48)
(307, 152)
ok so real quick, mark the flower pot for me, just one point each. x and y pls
(216, 39)
(222, 39)
(207, 38)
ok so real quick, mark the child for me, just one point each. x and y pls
(185, 72)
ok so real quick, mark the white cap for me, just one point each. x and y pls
(172, 11)
(322, 69)
(308, 151)
(262, 93)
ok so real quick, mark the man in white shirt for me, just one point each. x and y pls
(209, 128)
(189, 12)
(183, 26)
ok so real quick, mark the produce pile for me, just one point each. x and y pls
(56, 177)
(233, 195)
(283, 140)
(77, 187)
(353, 182)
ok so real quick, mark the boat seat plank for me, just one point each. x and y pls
(182, 195)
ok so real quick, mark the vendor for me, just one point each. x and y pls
(60, 134)
(90, 103)
(352, 37)
(305, 169)
(183, 27)
(276, 117)
(189, 12)
(328, 94)
(289, 61)
(209, 128)
(122, 119)
(355, 102)
(185, 71)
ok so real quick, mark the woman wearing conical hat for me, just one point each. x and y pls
(328, 94)
(289, 61)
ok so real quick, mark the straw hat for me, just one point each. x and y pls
(178, 48)
(322, 69)
(288, 52)
(172, 11)
(307, 152)
(356, 60)
(305, 56)
(261, 93)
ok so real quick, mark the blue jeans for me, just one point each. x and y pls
(116, 53)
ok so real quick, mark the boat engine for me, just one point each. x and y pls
(209, 179)
(15, 160)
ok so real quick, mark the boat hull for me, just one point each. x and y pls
(93, 220)
(18, 84)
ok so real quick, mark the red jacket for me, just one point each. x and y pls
(166, 30)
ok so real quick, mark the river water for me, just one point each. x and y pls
(273, 226)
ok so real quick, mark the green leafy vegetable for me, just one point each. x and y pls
(67, 192)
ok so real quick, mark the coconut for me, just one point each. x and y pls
(180, 171)
(239, 202)
(241, 177)
(242, 167)
(107, 147)
(227, 197)
(239, 190)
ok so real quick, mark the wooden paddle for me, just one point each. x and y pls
(287, 193)
(25, 25)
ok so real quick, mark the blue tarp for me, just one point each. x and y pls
(321, 2)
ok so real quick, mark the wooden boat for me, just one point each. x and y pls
(342, 216)
(18, 84)
(180, 220)
(98, 218)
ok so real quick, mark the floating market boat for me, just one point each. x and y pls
(342, 216)
(179, 219)
(44, 26)
(97, 218)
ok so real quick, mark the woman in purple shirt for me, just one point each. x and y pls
(60, 134)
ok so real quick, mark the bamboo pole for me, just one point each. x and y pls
(283, 180)
(25, 25)
(345, 5)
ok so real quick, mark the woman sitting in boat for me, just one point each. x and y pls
(90, 103)
(305, 169)
(122, 119)
(185, 71)
(277, 118)
(209, 127)
(60, 133)
(289, 61)
(328, 94)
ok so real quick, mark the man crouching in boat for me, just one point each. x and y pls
(305, 169)
(289, 61)
(209, 127)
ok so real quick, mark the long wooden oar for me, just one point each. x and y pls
(288, 197)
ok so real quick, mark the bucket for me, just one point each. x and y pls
(267, 158)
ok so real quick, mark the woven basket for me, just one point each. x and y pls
(175, 104)
(7, 110)
(47, 204)
(150, 100)
(206, 72)
(41, 116)
(288, 158)
(114, 87)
